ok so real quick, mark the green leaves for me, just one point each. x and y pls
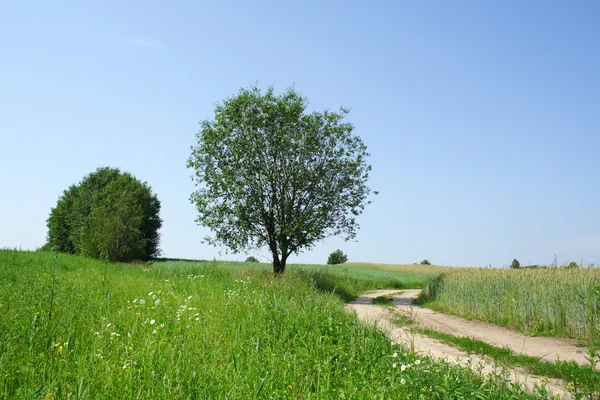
(270, 174)
(109, 215)
(337, 257)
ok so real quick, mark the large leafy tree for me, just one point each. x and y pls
(270, 174)
(109, 215)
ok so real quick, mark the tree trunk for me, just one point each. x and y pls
(278, 265)
(282, 263)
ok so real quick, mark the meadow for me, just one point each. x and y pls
(349, 280)
(539, 301)
(72, 327)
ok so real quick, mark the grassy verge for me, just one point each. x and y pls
(72, 327)
(383, 300)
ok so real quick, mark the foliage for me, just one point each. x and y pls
(252, 259)
(199, 330)
(534, 301)
(109, 215)
(573, 264)
(45, 247)
(268, 173)
(425, 262)
(515, 264)
(337, 257)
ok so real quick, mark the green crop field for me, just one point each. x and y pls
(73, 328)
(542, 301)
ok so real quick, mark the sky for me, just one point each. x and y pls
(482, 118)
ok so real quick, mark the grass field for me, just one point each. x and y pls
(350, 280)
(75, 328)
(544, 301)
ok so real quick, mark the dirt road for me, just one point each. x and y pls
(544, 348)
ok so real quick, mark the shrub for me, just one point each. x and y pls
(337, 257)
(515, 264)
(109, 215)
(45, 247)
(252, 259)
(573, 264)
(425, 262)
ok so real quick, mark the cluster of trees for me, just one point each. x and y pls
(268, 174)
(423, 262)
(109, 215)
(517, 265)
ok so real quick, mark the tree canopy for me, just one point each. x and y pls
(270, 174)
(337, 257)
(109, 215)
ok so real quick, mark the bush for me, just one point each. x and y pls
(515, 264)
(109, 215)
(45, 247)
(425, 262)
(252, 259)
(337, 257)
(573, 264)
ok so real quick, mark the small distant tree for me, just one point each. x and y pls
(515, 264)
(337, 257)
(573, 264)
(252, 259)
(425, 262)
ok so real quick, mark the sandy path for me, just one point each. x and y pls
(367, 312)
(544, 348)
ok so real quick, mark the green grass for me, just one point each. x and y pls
(347, 281)
(75, 328)
(583, 380)
(548, 301)
(383, 300)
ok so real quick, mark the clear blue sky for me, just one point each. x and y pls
(482, 117)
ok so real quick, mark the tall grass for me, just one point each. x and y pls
(545, 301)
(75, 328)
(347, 281)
